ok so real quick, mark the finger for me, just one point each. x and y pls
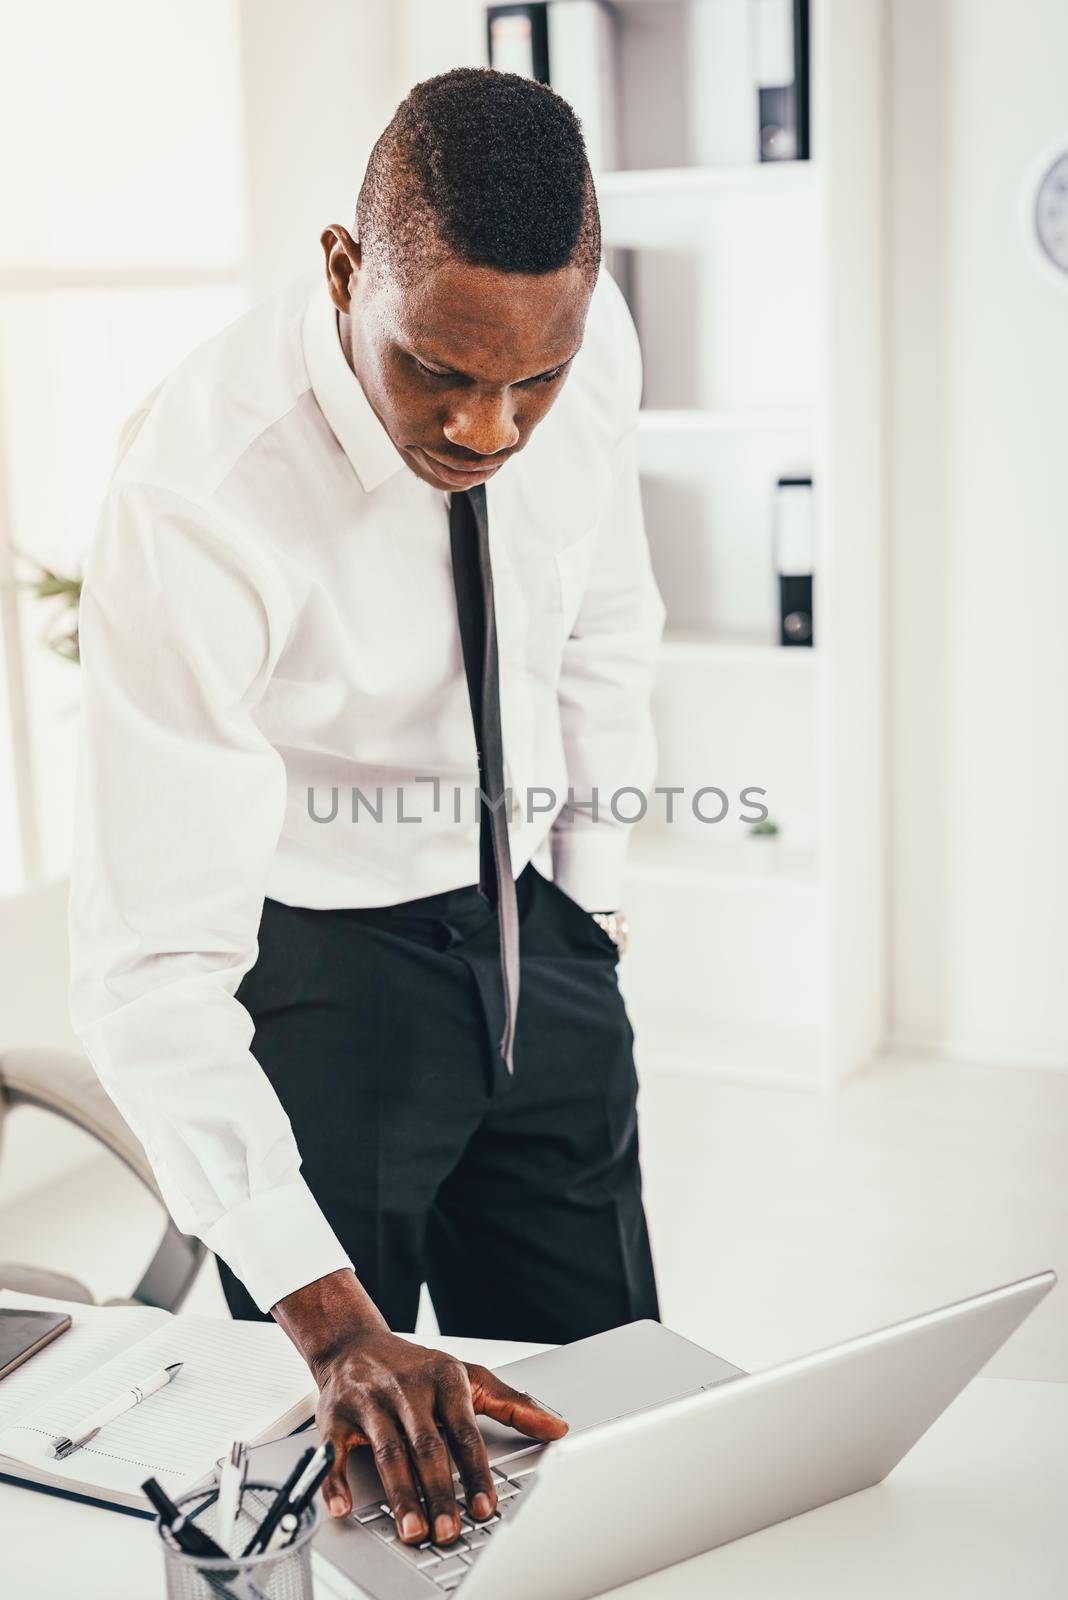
(469, 1449)
(335, 1485)
(430, 1458)
(504, 1404)
(398, 1481)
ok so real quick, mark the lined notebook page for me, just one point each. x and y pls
(239, 1381)
(96, 1334)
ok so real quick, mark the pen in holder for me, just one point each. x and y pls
(281, 1574)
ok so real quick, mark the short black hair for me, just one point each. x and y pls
(485, 166)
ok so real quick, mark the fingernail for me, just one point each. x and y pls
(550, 1409)
(337, 1507)
(482, 1505)
(444, 1529)
(412, 1526)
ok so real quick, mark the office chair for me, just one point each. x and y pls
(64, 1083)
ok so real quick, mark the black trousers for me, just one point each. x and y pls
(516, 1199)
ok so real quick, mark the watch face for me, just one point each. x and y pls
(1051, 212)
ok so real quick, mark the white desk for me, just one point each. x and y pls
(975, 1512)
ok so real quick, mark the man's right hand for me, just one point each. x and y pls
(411, 1405)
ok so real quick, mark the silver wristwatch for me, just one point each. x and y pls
(616, 926)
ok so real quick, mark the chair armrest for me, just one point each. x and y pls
(64, 1082)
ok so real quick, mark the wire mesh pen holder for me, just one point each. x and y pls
(283, 1574)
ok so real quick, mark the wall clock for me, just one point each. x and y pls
(1047, 205)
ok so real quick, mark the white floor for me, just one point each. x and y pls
(781, 1221)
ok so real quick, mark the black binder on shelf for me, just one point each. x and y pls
(517, 39)
(794, 560)
(782, 66)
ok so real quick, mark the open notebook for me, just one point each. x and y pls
(240, 1380)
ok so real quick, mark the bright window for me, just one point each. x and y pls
(122, 246)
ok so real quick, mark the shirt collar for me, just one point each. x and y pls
(370, 450)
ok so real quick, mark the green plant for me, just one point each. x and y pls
(768, 829)
(65, 590)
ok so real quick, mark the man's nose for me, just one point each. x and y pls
(485, 425)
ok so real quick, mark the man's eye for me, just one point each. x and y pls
(547, 377)
(428, 371)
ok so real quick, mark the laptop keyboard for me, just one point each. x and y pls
(448, 1564)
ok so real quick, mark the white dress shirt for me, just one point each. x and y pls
(268, 613)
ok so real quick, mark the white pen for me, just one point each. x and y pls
(308, 1476)
(91, 1426)
(283, 1534)
(231, 1483)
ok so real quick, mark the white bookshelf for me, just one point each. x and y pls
(764, 866)
(755, 179)
(755, 649)
(659, 422)
(783, 1057)
(760, 960)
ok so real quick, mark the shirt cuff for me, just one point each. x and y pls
(277, 1242)
(588, 865)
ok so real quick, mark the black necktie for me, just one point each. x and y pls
(473, 578)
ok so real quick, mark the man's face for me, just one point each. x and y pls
(460, 367)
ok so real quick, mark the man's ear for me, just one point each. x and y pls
(342, 263)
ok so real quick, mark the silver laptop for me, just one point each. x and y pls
(672, 1451)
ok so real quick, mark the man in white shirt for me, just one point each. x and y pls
(334, 550)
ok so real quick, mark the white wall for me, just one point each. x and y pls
(979, 412)
(320, 84)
